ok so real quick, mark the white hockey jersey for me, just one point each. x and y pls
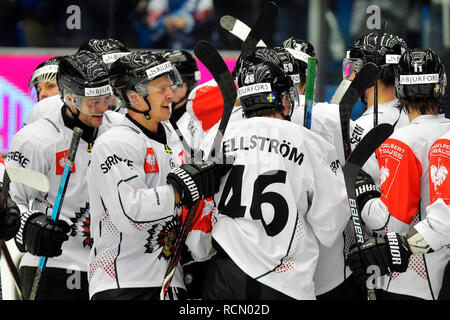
(405, 187)
(435, 228)
(43, 146)
(46, 107)
(294, 198)
(387, 113)
(325, 121)
(134, 220)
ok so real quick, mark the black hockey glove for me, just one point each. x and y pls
(366, 189)
(40, 238)
(196, 181)
(390, 253)
(9, 219)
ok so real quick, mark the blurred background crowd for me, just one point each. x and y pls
(179, 24)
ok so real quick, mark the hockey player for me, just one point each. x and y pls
(109, 50)
(420, 83)
(9, 212)
(267, 237)
(301, 50)
(42, 146)
(384, 50)
(427, 236)
(135, 212)
(43, 80)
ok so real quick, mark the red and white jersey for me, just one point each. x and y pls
(387, 113)
(43, 146)
(405, 187)
(283, 196)
(133, 217)
(435, 229)
(2, 167)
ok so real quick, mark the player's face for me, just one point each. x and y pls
(46, 89)
(93, 108)
(180, 92)
(160, 95)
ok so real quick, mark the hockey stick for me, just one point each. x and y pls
(34, 180)
(309, 93)
(11, 265)
(237, 28)
(340, 91)
(262, 24)
(12, 268)
(77, 132)
(30, 178)
(3, 207)
(212, 60)
(363, 80)
(365, 148)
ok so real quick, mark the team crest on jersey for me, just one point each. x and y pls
(81, 225)
(439, 159)
(61, 162)
(150, 164)
(438, 174)
(163, 236)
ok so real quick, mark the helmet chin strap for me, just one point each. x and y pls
(146, 112)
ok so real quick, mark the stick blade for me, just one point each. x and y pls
(33, 179)
(228, 22)
(262, 24)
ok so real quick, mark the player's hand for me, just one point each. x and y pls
(387, 254)
(196, 181)
(9, 219)
(39, 237)
(366, 189)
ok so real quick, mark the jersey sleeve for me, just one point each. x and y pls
(30, 152)
(117, 174)
(435, 228)
(329, 211)
(439, 164)
(400, 172)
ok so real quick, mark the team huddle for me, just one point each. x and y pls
(271, 219)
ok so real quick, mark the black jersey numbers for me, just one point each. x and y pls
(234, 209)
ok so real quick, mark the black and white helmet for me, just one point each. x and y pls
(383, 49)
(44, 72)
(136, 70)
(109, 49)
(83, 74)
(301, 50)
(186, 66)
(420, 74)
(263, 85)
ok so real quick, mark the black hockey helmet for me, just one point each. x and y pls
(383, 49)
(84, 74)
(420, 74)
(301, 50)
(136, 70)
(263, 85)
(186, 66)
(109, 49)
(281, 58)
(45, 71)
